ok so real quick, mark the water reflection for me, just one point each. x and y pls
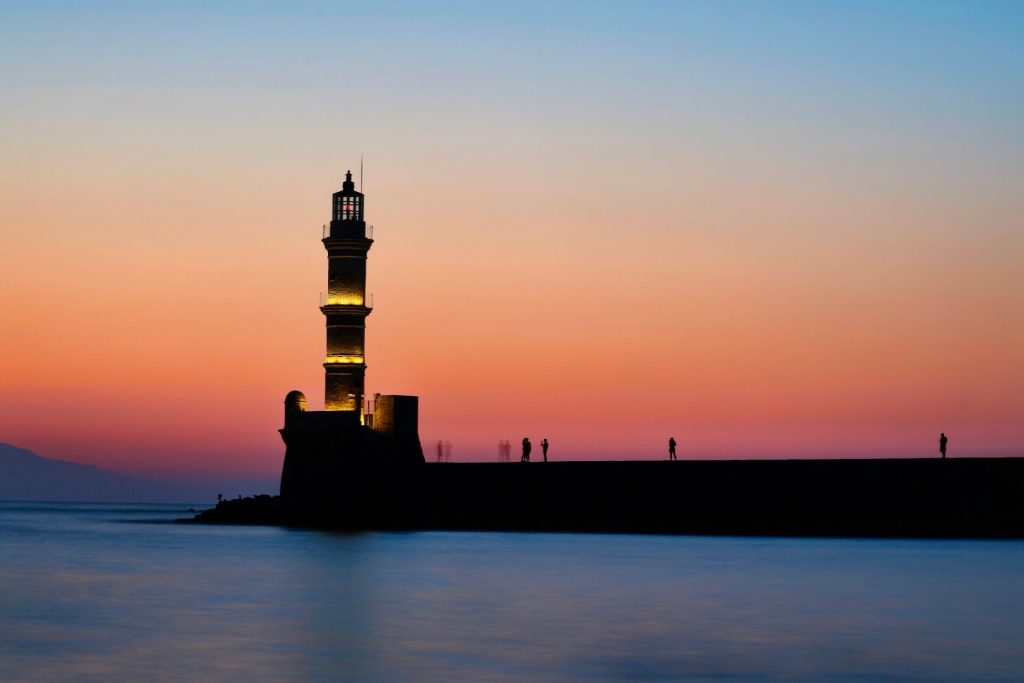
(88, 596)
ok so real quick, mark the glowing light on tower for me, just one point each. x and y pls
(345, 307)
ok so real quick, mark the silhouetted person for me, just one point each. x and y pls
(440, 450)
(544, 448)
(527, 447)
(942, 444)
(508, 451)
(672, 448)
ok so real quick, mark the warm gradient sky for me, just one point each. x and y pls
(769, 229)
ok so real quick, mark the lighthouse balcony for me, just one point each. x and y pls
(342, 230)
(345, 302)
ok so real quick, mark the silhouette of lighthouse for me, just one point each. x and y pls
(334, 457)
(345, 306)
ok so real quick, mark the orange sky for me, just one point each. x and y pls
(793, 272)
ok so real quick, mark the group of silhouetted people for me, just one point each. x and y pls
(444, 451)
(505, 450)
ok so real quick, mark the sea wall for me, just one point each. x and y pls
(978, 497)
(962, 498)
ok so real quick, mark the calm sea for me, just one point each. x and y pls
(117, 593)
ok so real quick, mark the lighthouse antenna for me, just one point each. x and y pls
(360, 172)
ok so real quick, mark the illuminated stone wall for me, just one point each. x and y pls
(343, 387)
(396, 416)
(345, 310)
(346, 277)
(345, 339)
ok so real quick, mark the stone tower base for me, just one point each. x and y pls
(341, 473)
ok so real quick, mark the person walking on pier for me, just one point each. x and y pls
(942, 444)
(527, 447)
(544, 448)
(672, 448)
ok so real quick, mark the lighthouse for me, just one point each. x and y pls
(345, 305)
(337, 460)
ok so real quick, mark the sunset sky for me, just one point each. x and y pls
(769, 229)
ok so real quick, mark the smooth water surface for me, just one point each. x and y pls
(116, 593)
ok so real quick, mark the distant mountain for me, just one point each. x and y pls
(27, 476)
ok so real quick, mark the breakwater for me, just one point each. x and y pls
(964, 498)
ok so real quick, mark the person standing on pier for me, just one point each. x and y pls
(527, 447)
(942, 444)
(544, 448)
(672, 448)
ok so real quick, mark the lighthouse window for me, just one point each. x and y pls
(347, 208)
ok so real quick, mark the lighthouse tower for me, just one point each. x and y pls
(345, 306)
(340, 464)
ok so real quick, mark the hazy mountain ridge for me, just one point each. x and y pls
(25, 475)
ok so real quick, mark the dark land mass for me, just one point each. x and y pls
(954, 498)
(27, 476)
